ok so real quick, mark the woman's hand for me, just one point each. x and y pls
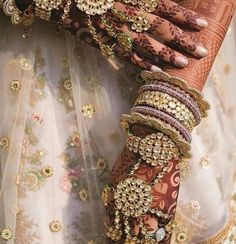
(158, 43)
(164, 193)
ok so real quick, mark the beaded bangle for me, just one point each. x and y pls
(165, 117)
(169, 105)
(177, 93)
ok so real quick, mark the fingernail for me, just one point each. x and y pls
(201, 51)
(181, 62)
(154, 68)
(202, 23)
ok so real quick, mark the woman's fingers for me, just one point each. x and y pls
(178, 14)
(151, 46)
(135, 59)
(168, 32)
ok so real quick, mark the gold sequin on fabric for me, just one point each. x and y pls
(181, 237)
(88, 110)
(83, 194)
(15, 85)
(55, 226)
(204, 162)
(67, 84)
(18, 180)
(4, 142)
(6, 234)
(47, 171)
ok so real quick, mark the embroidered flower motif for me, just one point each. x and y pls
(94, 83)
(33, 179)
(6, 234)
(67, 84)
(204, 162)
(4, 142)
(181, 237)
(55, 226)
(36, 119)
(75, 140)
(88, 110)
(15, 85)
(194, 205)
(47, 171)
(83, 194)
(65, 63)
(101, 165)
(25, 64)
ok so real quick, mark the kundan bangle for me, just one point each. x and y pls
(177, 93)
(168, 104)
(164, 117)
(150, 77)
(137, 118)
(155, 149)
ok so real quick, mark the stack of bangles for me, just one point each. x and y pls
(98, 13)
(173, 109)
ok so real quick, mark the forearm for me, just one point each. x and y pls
(218, 15)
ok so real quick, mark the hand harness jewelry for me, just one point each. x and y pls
(168, 105)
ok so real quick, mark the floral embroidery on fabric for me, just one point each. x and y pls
(186, 217)
(26, 230)
(65, 96)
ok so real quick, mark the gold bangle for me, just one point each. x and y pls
(147, 76)
(159, 125)
(169, 104)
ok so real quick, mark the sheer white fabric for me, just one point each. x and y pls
(74, 134)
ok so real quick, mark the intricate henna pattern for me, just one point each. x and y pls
(176, 13)
(218, 15)
(76, 24)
